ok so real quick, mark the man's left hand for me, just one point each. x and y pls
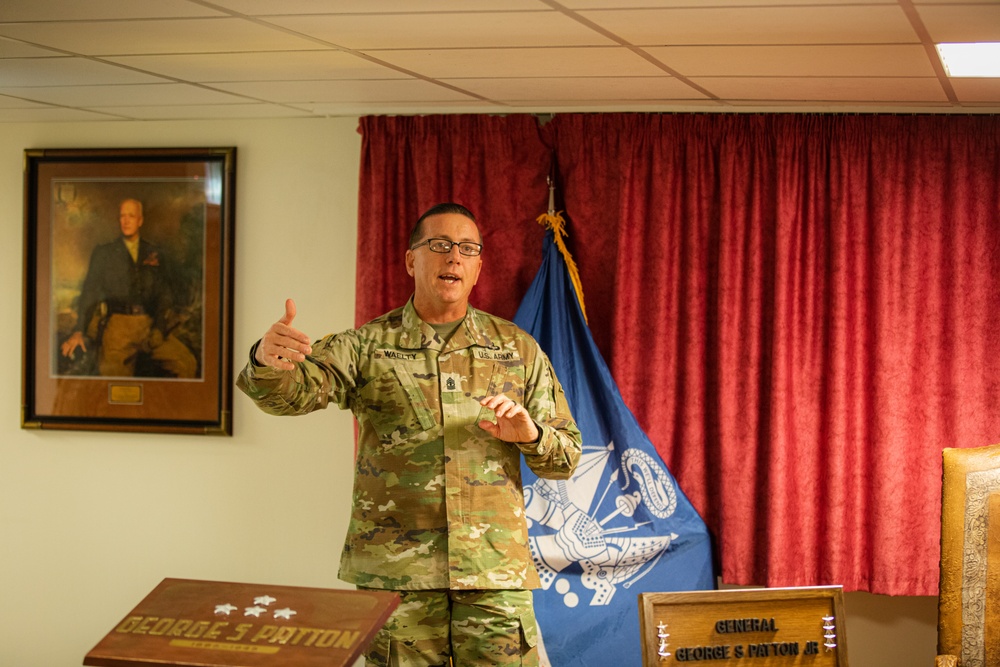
(512, 424)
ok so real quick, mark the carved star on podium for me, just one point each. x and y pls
(284, 613)
(264, 600)
(254, 611)
(225, 609)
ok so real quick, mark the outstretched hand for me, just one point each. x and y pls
(513, 423)
(283, 344)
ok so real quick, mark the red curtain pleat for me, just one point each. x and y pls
(801, 310)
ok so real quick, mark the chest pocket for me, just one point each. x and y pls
(396, 408)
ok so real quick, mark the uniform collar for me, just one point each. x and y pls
(418, 334)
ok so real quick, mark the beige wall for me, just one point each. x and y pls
(90, 522)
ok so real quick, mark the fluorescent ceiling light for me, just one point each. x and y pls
(971, 59)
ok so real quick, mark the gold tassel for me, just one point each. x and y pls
(553, 220)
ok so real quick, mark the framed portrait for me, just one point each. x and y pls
(128, 289)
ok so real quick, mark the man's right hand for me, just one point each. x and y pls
(283, 344)
(70, 345)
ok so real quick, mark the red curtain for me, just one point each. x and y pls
(801, 310)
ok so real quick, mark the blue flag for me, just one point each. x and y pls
(620, 526)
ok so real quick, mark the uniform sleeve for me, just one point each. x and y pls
(328, 375)
(558, 449)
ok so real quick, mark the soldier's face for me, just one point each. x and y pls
(130, 219)
(443, 281)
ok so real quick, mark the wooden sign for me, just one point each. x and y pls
(207, 624)
(762, 627)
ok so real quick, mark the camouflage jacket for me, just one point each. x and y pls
(437, 501)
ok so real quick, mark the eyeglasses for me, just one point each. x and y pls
(444, 246)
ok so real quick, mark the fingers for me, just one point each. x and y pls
(490, 428)
(289, 312)
(513, 423)
(280, 351)
(71, 344)
(504, 407)
(283, 345)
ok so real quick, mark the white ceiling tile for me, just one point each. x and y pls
(205, 111)
(585, 106)
(615, 4)
(297, 92)
(61, 10)
(7, 102)
(976, 90)
(953, 2)
(876, 89)
(521, 62)
(598, 89)
(107, 96)
(785, 106)
(962, 23)
(291, 7)
(10, 48)
(850, 24)
(49, 114)
(459, 30)
(808, 60)
(412, 108)
(66, 72)
(157, 36)
(270, 66)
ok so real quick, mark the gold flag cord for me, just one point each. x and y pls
(553, 220)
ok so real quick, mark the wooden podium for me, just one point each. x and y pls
(218, 624)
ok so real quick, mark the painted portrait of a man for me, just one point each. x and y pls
(128, 278)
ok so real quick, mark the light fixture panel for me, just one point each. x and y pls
(973, 59)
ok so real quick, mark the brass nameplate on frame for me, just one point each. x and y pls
(762, 627)
(125, 393)
(209, 624)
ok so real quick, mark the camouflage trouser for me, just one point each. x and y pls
(495, 627)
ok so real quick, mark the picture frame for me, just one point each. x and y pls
(128, 289)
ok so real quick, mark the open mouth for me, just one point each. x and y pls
(449, 278)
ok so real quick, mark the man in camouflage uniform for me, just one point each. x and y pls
(447, 399)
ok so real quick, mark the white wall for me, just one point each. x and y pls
(91, 522)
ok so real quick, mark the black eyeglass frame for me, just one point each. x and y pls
(462, 246)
